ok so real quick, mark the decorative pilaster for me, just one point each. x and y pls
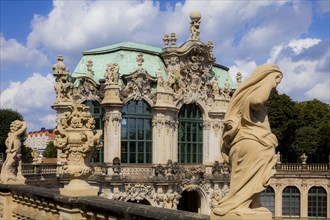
(112, 118)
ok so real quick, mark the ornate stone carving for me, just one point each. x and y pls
(118, 195)
(89, 66)
(210, 45)
(138, 84)
(111, 74)
(139, 60)
(63, 88)
(188, 75)
(77, 140)
(217, 127)
(215, 87)
(173, 39)
(217, 194)
(303, 158)
(116, 165)
(116, 121)
(11, 171)
(36, 159)
(238, 77)
(216, 168)
(159, 171)
(166, 40)
(138, 192)
(171, 199)
(88, 90)
(225, 92)
(159, 197)
(195, 17)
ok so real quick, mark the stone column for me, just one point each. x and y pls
(217, 114)
(278, 188)
(112, 133)
(304, 202)
(164, 127)
(112, 118)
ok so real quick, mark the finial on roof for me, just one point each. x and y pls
(166, 40)
(89, 68)
(195, 17)
(139, 59)
(59, 68)
(173, 39)
(238, 77)
(210, 45)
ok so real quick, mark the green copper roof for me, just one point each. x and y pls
(126, 46)
(124, 54)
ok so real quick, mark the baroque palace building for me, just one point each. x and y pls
(161, 111)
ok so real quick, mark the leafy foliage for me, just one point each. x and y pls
(50, 151)
(301, 127)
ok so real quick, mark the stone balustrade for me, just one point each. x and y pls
(297, 167)
(30, 202)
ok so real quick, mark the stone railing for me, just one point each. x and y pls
(287, 167)
(30, 202)
(31, 169)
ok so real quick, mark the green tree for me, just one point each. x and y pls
(283, 121)
(324, 145)
(314, 125)
(7, 116)
(50, 151)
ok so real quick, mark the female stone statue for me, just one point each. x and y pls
(11, 168)
(248, 143)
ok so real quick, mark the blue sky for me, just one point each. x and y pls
(293, 34)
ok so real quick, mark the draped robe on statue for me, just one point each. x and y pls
(248, 144)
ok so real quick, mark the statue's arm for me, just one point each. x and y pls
(260, 96)
(22, 129)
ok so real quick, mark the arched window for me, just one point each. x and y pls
(190, 138)
(317, 202)
(291, 202)
(96, 110)
(136, 133)
(267, 199)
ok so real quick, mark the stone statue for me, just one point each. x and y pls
(11, 171)
(111, 74)
(249, 145)
(215, 87)
(238, 77)
(195, 17)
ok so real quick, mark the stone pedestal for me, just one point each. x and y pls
(78, 187)
(256, 216)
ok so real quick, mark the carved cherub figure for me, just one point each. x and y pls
(11, 171)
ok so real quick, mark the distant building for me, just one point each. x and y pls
(39, 139)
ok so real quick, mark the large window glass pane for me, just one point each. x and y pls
(190, 138)
(317, 203)
(136, 123)
(267, 199)
(291, 202)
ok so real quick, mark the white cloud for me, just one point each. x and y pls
(244, 29)
(32, 98)
(299, 45)
(320, 91)
(14, 53)
(303, 70)
(245, 67)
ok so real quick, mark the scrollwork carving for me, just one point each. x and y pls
(138, 192)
